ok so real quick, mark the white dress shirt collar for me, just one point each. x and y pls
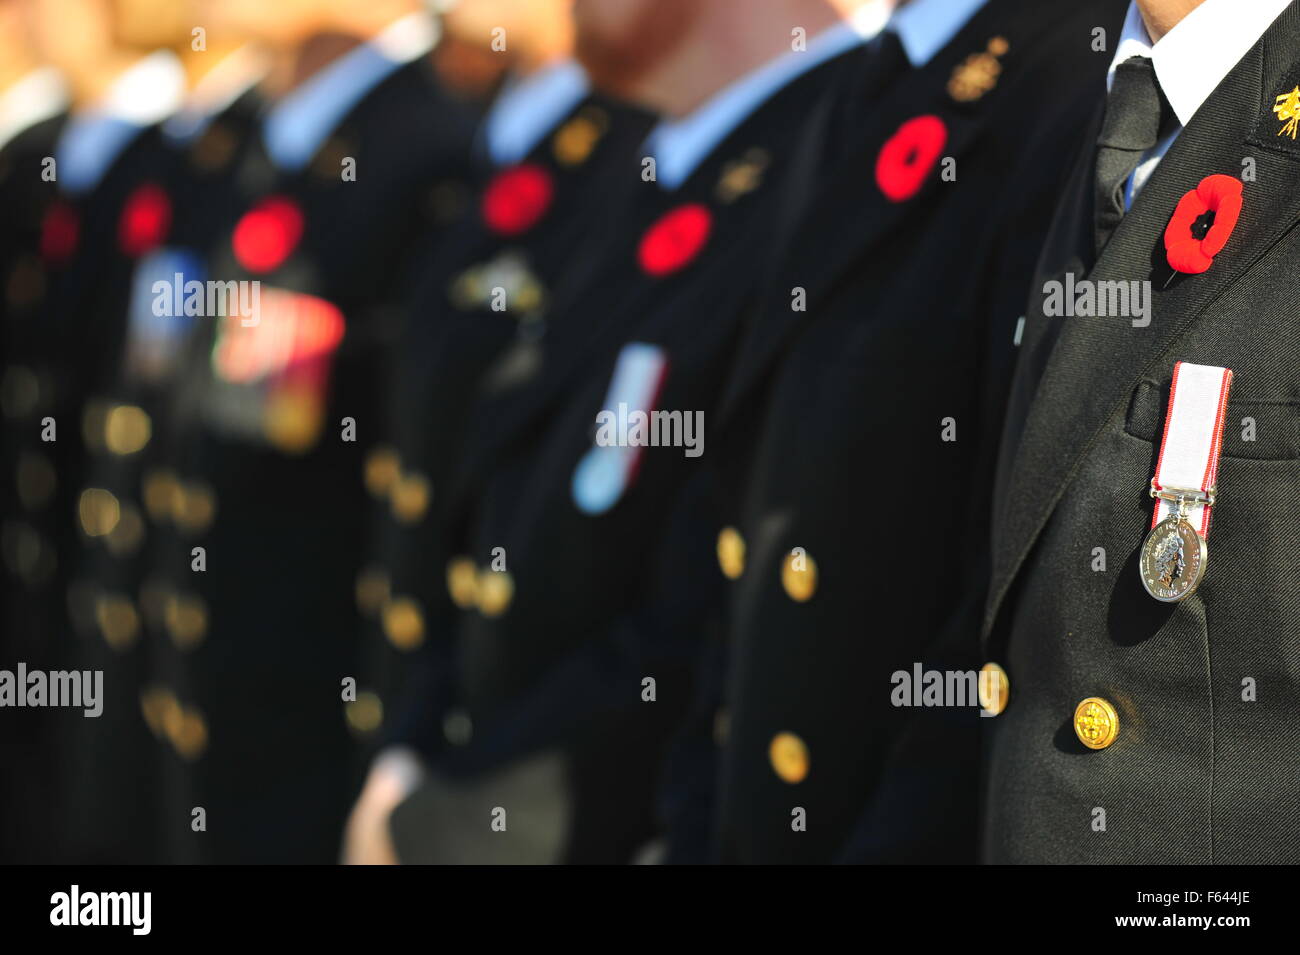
(529, 107)
(297, 125)
(1193, 58)
(230, 79)
(680, 145)
(926, 26)
(145, 94)
(38, 96)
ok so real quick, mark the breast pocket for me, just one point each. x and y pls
(1253, 429)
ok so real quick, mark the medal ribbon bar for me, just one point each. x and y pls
(1188, 466)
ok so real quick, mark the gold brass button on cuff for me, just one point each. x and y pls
(731, 552)
(789, 757)
(994, 688)
(1096, 723)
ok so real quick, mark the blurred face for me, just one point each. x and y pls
(149, 24)
(66, 48)
(276, 23)
(620, 41)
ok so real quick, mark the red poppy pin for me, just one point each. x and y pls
(267, 234)
(909, 156)
(60, 229)
(1202, 223)
(146, 217)
(517, 198)
(675, 239)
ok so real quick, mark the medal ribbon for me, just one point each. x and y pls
(1193, 439)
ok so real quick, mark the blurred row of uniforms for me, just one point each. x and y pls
(380, 519)
(377, 518)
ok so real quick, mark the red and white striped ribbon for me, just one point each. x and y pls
(1193, 439)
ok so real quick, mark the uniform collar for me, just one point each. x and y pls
(1194, 57)
(926, 26)
(296, 126)
(38, 96)
(680, 145)
(230, 79)
(528, 107)
(93, 138)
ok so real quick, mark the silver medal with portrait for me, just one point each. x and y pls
(1173, 560)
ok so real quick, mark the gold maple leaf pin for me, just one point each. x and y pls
(1287, 107)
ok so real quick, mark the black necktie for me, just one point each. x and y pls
(870, 73)
(1137, 113)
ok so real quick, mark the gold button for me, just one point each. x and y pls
(1096, 723)
(365, 713)
(789, 757)
(994, 688)
(186, 619)
(462, 582)
(99, 511)
(190, 736)
(117, 619)
(731, 552)
(155, 703)
(403, 623)
(496, 588)
(575, 140)
(799, 575)
(410, 497)
(292, 420)
(383, 467)
(126, 535)
(127, 429)
(372, 589)
(193, 506)
(159, 489)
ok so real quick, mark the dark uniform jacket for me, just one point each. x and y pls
(857, 445)
(483, 284)
(27, 487)
(575, 591)
(1203, 767)
(265, 471)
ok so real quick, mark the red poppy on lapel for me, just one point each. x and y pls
(517, 198)
(60, 229)
(146, 217)
(675, 239)
(1216, 202)
(909, 156)
(267, 234)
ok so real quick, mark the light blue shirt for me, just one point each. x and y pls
(92, 139)
(530, 107)
(297, 125)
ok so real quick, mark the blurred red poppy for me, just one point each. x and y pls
(908, 157)
(675, 239)
(146, 217)
(517, 198)
(60, 229)
(267, 234)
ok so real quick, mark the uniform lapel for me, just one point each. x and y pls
(815, 266)
(1097, 362)
(581, 337)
